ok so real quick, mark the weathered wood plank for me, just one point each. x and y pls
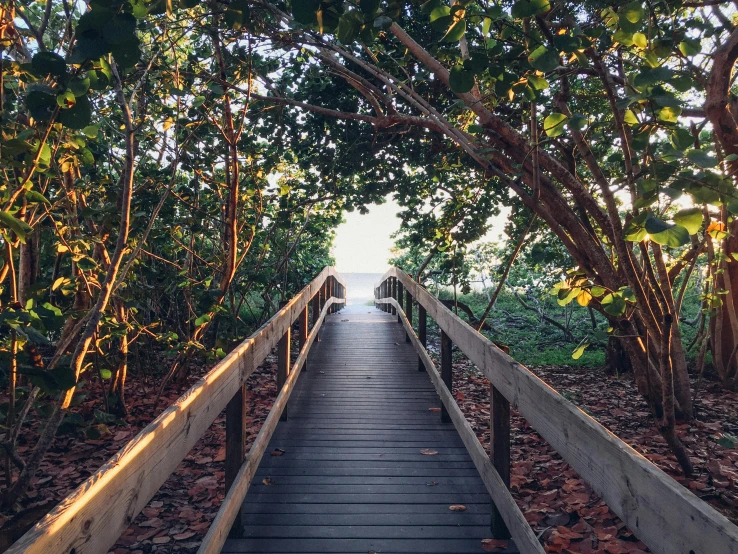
(92, 518)
(523, 535)
(358, 448)
(231, 506)
(664, 515)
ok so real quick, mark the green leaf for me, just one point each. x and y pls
(650, 76)
(690, 219)
(598, 291)
(78, 116)
(630, 118)
(614, 304)
(670, 115)
(461, 80)
(49, 63)
(567, 43)
(36, 197)
(238, 14)
(640, 40)
(41, 103)
(54, 380)
(202, 320)
(623, 37)
(79, 86)
(120, 29)
(633, 12)
(673, 236)
(66, 99)
(681, 138)
(486, 25)
(348, 27)
(554, 124)
(19, 227)
(634, 230)
(455, 32)
(305, 11)
(690, 47)
(701, 158)
(538, 83)
(577, 122)
(106, 373)
(543, 59)
(91, 131)
(528, 8)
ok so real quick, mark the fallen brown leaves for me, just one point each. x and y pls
(179, 515)
(558, 504)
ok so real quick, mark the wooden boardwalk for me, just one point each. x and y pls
(351, 476)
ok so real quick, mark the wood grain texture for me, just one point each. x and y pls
(668, 518)
(524, 537)
(92, 517)
(230, 509)
(365, 463)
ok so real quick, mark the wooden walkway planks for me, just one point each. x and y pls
(352, 478)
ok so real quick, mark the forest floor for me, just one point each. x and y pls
(559, 505)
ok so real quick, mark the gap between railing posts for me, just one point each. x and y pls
(330, 294)
(662, 513)
(499, 454)
(96, 513)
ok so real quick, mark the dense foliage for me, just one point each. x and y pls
(172, 169)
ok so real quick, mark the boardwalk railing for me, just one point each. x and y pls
(93, 517)
(664, 515)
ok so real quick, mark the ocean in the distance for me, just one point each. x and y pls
(360, 286)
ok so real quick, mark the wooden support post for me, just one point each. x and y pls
(422, 332)
(235, 448)
(316, 308)
(499, 443)
(284, 362)
(303, 324)
(408, 312)
(383, 294)
(393, 294)
(400, 294)
(446, 370)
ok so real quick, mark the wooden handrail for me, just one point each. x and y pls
(231, 506)
(668, 518)
(94, 515)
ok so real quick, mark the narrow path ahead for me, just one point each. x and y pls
(351, 476)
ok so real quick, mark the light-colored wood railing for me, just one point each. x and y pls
(91, 519)
(668, 518)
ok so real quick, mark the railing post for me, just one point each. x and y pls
(499, 444)
(284, 362)
(393, 294)
(408, 311)
(383, 294)
(235, 448)
(303, 327)
(400, 294)
(446, 370)
(422, 332)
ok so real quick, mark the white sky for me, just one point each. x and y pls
(363, 243)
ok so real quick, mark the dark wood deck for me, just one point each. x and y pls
(351, 477)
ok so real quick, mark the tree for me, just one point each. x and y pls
(587, 113)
